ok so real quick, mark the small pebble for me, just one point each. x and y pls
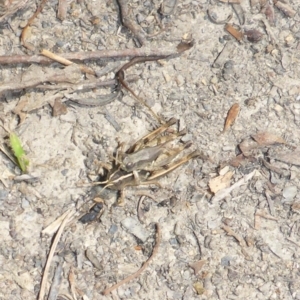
(289, 192)
(113, 229)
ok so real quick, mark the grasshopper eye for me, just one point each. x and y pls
(129, 166)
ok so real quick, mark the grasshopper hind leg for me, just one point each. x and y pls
(174, 165)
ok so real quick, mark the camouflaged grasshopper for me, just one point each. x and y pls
(152, 151)
(147, 160)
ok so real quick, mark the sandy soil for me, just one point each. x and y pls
(242, 245)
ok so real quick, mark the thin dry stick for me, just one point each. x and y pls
(93, 55)
(127, 22)
(84, 85)
(30, 21)
(120, 77)
(51, 253)
(235, 235)
(145, 265)
(65, 62)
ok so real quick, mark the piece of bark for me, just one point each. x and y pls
(62, 9)
(238, 35)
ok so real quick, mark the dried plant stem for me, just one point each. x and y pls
(30, 21)
(65, 62)
(145, 265)
(93, 55)
(127, 22)
(51, 254)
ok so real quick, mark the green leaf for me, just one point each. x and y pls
(18, 151)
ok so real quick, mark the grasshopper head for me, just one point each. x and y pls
(128, 165)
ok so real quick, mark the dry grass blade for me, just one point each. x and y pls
(51, 253)
(49, 230)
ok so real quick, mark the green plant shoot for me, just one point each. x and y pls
(18, 151)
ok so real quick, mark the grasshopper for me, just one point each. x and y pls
(148, 152)
(120, 179)
(142, 164)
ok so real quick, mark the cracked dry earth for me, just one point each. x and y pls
(215, 243)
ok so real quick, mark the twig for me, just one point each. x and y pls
(145, 265)
(51, 253)
(127, 22)
(120, 77)
(101, 100)
(85, 85)
(229, 231)
(140, 213)
(93, 55)
(65, 62)
(111, 120)
(198, 243)
(30, 21)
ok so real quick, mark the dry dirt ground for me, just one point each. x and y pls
(240, 245)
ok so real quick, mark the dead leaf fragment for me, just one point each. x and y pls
(265, 138)
(220, 182)
(19, 109)
(231, 116)
(225, 192)
(197, 266)
(59, 108)
(253, 35)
